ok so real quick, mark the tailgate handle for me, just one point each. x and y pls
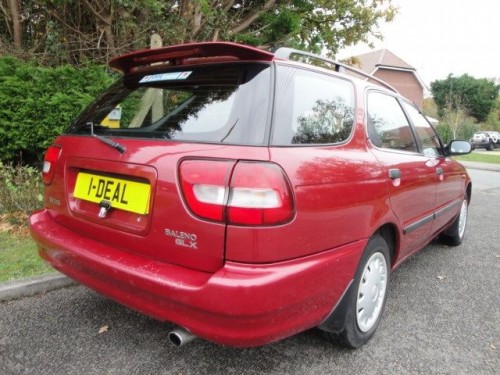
(105, 208)
(394, 173)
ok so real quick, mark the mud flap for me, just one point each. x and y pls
(335, 322)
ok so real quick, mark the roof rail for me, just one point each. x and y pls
(187, 53)
(285, 53)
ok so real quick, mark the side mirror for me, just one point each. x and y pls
(458, 148)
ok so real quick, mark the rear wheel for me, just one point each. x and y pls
(454, 235)
(367, 301)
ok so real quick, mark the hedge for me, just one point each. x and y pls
(38, 103)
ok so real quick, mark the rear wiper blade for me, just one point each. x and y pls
(117, 146)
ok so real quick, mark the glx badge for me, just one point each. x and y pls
(183, 239)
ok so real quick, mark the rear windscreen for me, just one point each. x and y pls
(221, 104)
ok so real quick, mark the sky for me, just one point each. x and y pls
(439, 37)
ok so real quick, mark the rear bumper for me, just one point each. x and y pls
(239, 305)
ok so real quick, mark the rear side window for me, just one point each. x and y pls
(222, 104)
(311, 108)
(388, 126)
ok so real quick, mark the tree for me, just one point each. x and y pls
(60, 31)
(9, 11)
(309, 24)
(493, 121)
(429, 108)
(456, 121)
(477, 96)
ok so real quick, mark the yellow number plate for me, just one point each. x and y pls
(123, 194)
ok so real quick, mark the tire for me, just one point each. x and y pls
(491, 146)
(367, 301)
(454, 234)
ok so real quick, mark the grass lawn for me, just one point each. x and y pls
(481, 157)
(19, 257)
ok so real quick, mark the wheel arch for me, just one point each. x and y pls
(389, 232)
(468, 191)
(336, 320)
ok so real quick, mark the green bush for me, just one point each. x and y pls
(38, 103)
(21, 189)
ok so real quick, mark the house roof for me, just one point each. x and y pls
(371, 61)
(384, 59)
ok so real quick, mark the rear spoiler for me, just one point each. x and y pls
(186, 54)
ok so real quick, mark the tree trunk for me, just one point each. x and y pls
(17, 30)
(110, 40)
(197, 15)
(244, 24)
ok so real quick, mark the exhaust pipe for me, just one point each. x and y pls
(180, 337)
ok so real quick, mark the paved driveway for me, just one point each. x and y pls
(442, 317)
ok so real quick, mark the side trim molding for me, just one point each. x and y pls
(414, 226)
(417, 224)
(447, 208)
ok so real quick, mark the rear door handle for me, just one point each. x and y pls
(394, 173)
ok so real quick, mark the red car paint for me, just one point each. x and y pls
(268, 242)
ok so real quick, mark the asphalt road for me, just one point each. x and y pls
(442, 317)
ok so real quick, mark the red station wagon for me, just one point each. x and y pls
(245, 196)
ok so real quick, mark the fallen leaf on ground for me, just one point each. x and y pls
(103, 329)
(492, 346)
(441, 277)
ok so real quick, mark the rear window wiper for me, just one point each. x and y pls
(117, 146)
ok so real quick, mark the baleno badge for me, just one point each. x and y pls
(183, 239)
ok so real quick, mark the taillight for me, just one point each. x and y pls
(204, 185)
(241, 193)
(259, 195)
(50, 163)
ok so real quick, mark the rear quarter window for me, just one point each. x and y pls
(311, 108)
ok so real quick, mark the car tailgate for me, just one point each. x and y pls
(148, 214)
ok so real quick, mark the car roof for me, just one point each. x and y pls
(337, 66)
(221, 52)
